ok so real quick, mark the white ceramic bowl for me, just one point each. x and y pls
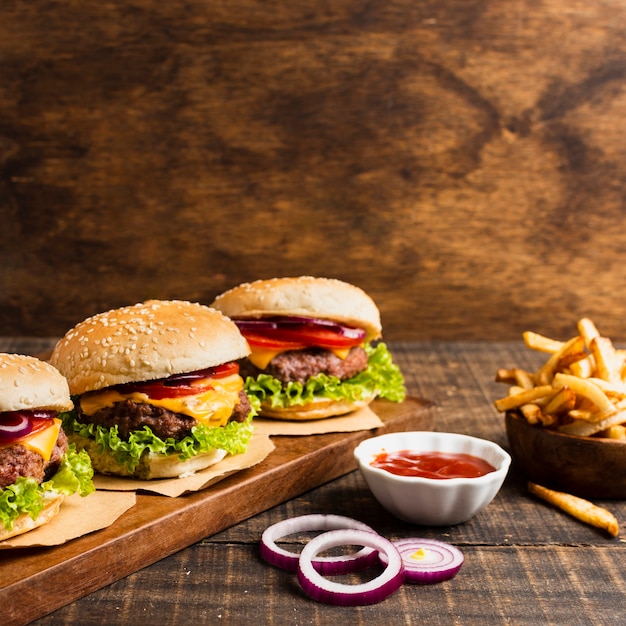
(432, 501)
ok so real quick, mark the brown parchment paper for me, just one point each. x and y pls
(77, 516)
(259, 447)
(361, 419)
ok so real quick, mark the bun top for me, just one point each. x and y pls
(308, 296)
(28, 383)
(146, 341)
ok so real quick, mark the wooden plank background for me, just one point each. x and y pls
(461, 160)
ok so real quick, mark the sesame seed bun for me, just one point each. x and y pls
(28, 383)
(320, 408)
(308, 296)
(151, 466)
(25, 523)
(146, 341)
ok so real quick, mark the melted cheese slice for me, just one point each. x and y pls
(262, 356)
(43, 441)
(212, 407)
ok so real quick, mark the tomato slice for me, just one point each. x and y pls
(301, 336)
(159, 391)
(180, 385)
(40, 423)
(218, 371)
(258, 340)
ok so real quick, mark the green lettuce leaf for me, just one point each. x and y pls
(74, 476)
(26, 495)
(234, 438)
(381, 378)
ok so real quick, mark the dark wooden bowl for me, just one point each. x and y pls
(584, 466)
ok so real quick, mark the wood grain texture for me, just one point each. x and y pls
(462, 161)
(158, 526)
(583, 466)
(228, 583)
(525, 562)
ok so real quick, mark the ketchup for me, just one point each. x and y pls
(432, 464)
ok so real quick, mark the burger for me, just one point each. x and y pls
(37, 466)
(156, 389)
(314, 349)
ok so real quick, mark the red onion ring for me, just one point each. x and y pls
(275, 323)
(340, 564)
(332, 592)
(300, 319)
(14, 425)
(427, 561)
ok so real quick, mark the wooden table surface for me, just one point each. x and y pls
(525, 563)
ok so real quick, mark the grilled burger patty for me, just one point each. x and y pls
(16, 461)
(299, 365)
(129, 416)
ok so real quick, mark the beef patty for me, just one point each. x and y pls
(130, 416)
(299, 365)
(17, 460)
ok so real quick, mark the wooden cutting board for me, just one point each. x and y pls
(37, 581)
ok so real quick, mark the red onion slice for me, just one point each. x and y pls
(345, 331)
(255, 325)
(14, 425)
(339, 564)
(332, 592)
(277, 323)
(428, 561)
(299, 319)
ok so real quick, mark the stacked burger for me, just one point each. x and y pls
(314, 347)
(37, 466)
(157, 389)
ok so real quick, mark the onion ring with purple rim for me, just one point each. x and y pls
(275, 323)
(427, 561)
(339, 594)
(339, 564)
(14, 425)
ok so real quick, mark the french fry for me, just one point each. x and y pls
(584, 415)
(535, 341)
(579, 508)
(563, 401)
(586, 389)
(614, 432)
(516, 376)
(523, 378)
(505, 376)
(579, 389)
(615, 391)
(588, 428)
(608, 366)
(588, 330)
(533, 414)
(514, 401)
(547, 419)
(570, 352)
(583, 368)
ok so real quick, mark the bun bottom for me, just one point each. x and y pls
(25, 523)
(318, 409)
(150, 465)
